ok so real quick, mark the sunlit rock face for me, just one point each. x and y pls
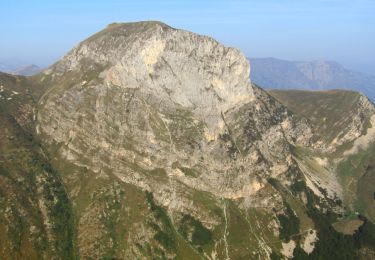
(153, 96)
(143, 108)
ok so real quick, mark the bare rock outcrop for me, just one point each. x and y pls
(161, 98)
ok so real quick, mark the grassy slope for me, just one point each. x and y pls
(124, 207)
(357, 175)
(328, 111)
(30, 190)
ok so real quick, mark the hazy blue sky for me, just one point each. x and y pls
(343, 30)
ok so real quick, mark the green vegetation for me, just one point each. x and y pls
(275, 256)
(324, 109)
(158, 173)
(207, 202)
(61, 213)
(366, 192)
(289, 224)
(249, 232)
(305, 222)
(16, 229)
(365, 236)
(164, 233)
(191, 172)
(121, 219)
(25, 169)
(298, 186)
(112, 197)
(172, 240)
(357, 175)
(190, 227)
(331, 244)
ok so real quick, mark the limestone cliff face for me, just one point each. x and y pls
(176, 66)
(171, 112)
(167, 96)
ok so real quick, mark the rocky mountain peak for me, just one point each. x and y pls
(168, 94)
(177, 67)
(146, 141)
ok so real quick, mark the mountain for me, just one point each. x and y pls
(9, 65)
(28, 70)
(19, 68)
(149, 142)
(313, 75)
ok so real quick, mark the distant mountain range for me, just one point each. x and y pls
(10, 65)
(28, 70)
(274, 73)
(19, 68)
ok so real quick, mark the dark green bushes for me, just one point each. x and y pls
(200, 235)
(164, 234)
(289, 224)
